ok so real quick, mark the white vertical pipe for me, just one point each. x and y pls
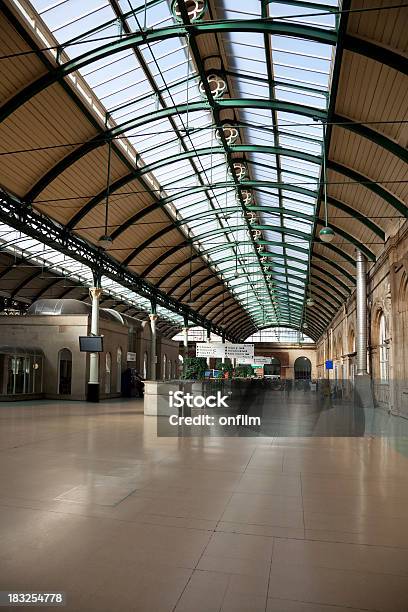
(95, 293)
(153, 363)
(361, 339)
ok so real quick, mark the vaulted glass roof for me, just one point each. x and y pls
(223, 103)
(40, 256)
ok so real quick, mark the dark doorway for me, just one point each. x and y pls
(303, 369)
(65, 372)
(273, 369)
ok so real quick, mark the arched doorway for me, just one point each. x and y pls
(64, 371)
(303, 369)
(273, 370)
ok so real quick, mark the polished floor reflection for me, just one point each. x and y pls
(93, 503)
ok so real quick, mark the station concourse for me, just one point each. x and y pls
(204, 305)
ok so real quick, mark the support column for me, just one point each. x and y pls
(93, 383)
(185, 341)
(362, 381)
(153, 362)
(208, 339)
(223, 341)
(361, 332)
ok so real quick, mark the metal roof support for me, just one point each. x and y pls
(63, 69)
(378, 53)
(48, 232)
(370, 184)
(376, 137)
(25, 282)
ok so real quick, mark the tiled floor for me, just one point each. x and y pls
(94, 504)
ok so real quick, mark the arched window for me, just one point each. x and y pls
(383, 350)
(303, 369)
(118, 370)
(108, 368)
(164, 366)
(351, 341)
(64, 371)
(339, 345)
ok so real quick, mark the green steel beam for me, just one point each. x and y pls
(321, 301)
(378, 53)
(367, 252)
(335, 278)
(207, 235)
(228, 310)
(323, 310)
(314, 6)
(315, 326)
(294, 296)
(223, 313)
(317, 321)
(335, 78)
(162, 258)
(376, 137)
(355, 214)
(168, 112)
(217, 283)
(25, 282)
(160, 204)
(150, 36)
(296, 233)
(240, 323)
(231, 258)
(186, 279)
(370, 184)
(55, 281)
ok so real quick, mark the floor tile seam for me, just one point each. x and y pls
(348, 571)
(352, 515)
(234, 488)
(194, 569)
(224, 595)
(303, 506)
(270, 525)
(118, 520)
(300, 539)
(334, 606)
(47, 439)
(269, 574)
(237, 557)
(200, 469)
(350, 542)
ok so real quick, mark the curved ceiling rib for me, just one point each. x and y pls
(202, 237)
(160, 34)
(247, 209)
(125, 180)
(154, 116)
(376, 52)
(376, 137)
(370, 184)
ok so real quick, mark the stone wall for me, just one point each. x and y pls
(387, 350)
(57, 332)
(287, 355)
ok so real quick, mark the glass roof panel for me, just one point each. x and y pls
(183, 149)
